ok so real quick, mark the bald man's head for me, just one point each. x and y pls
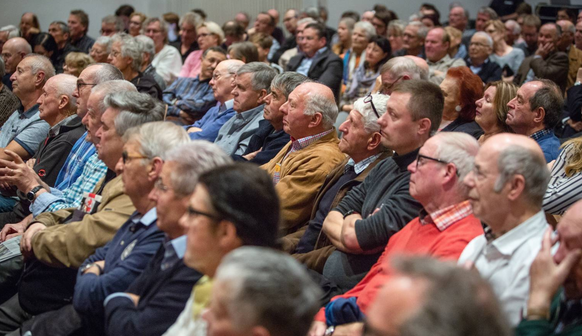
(13, 51)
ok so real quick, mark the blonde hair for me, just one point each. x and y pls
(504, 92)
(574, 160)
(78, 61)
(497, 24)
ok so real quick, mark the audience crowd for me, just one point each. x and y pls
(385, 176)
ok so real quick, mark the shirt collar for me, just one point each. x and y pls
(248, 114)
(362, 165)
(229, 104)
(317, 53)
(55, 130)
(28, 113)
(179, 246)
(512, 240)
(442, 60)
(443, 218)
(146, 219)
(298, 144)
(404, 160)
(540, 134)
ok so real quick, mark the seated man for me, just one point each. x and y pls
(56, 244)
(553, 307)
(190, 98)
(250, 270)
(547, 62)
(251, 85)
(534, 112)
(115, 266)
(316, 60)
(506, 190)
(362, 143)
(300, 168)
(566, 44)
(480, 48)
(126, 56)
(270, 136)
(413, 40)
(222, 216)
(365, 219)
(436, 47)
(60, 32)
(435, 298)
(13, 52)
(148, 53)
(222, 83)
(48, 199)
(57, 108)
(8, 100)
(443, 229)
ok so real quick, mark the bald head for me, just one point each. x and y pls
(310, 110)
(421, 63)
(222, 79)
(57, 89)
(501, 142)
(13, 51)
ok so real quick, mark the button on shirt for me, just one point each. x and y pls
(235, 135)
(306, 62)
(505, 262)
(26, 128)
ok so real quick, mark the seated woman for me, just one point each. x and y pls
(461, 89)
(378, 52)
(209, 35)
(503, 54)
(361, 37)
(243, 51)
(395, 32)
(456, 49)
(44, 44)
(492, 109)
(565, 187)
(344, 34)
(136, 21)
(264, 42)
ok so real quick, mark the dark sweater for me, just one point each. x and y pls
(163, 295)
(266, 138)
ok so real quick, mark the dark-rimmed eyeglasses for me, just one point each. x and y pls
(388, 86)
(368, 99)
(126, 157)
(193, 213)
(424, 157)
(79, 85)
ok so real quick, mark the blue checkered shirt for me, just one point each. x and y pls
(93, 171)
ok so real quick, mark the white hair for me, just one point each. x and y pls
(156, 139)
(369, 118)
(460, 149)
(65, 85)
(486, 36)
(516, 29)
(367, 27)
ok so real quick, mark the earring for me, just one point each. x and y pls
(458, 108)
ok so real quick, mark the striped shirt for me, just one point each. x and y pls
(190, 95)
(562, 191)
(362, 165)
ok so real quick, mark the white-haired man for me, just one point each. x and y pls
(480, 48)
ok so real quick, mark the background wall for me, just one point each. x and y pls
(218, 10)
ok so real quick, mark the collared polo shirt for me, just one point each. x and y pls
(26, 128)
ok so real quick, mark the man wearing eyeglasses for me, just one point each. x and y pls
(400, 69)
(442, 230)
(53, 251)
(413, 40)
(506, 190)
(480, 48)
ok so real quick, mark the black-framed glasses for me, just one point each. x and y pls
(126, 157)
(388, 86)
(369, 99)
(424, 157)
(79, 85)
(193, 213)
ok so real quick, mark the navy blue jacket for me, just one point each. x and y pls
(271, 143)
(163, 295)
(126, 256)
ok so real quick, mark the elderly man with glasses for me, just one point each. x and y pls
(444, 227)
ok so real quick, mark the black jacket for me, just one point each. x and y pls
(490, 71)
(469, 127)
(271, 143)
(327, 69)
(145, 83)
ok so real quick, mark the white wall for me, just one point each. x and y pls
(219, 10)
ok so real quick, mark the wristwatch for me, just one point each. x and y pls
(31, 195)
(350, 212)
(91, 265)
(329, 331)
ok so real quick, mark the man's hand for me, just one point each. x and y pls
(544, 50)
(134, 298)
(17, 173)
(252, 155)
(11, 231)
(576, 125)
(546, 276)
(186, 118)
(349, 329)
(26, 242)
(94, 269)
(317, 328)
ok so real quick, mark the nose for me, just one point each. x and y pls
(468, 180)
(283, 108)
(479, 102)
(412, 167)
(382, 121)
(344, 127)
(511, 103)
(268, 99)
(153, 195)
